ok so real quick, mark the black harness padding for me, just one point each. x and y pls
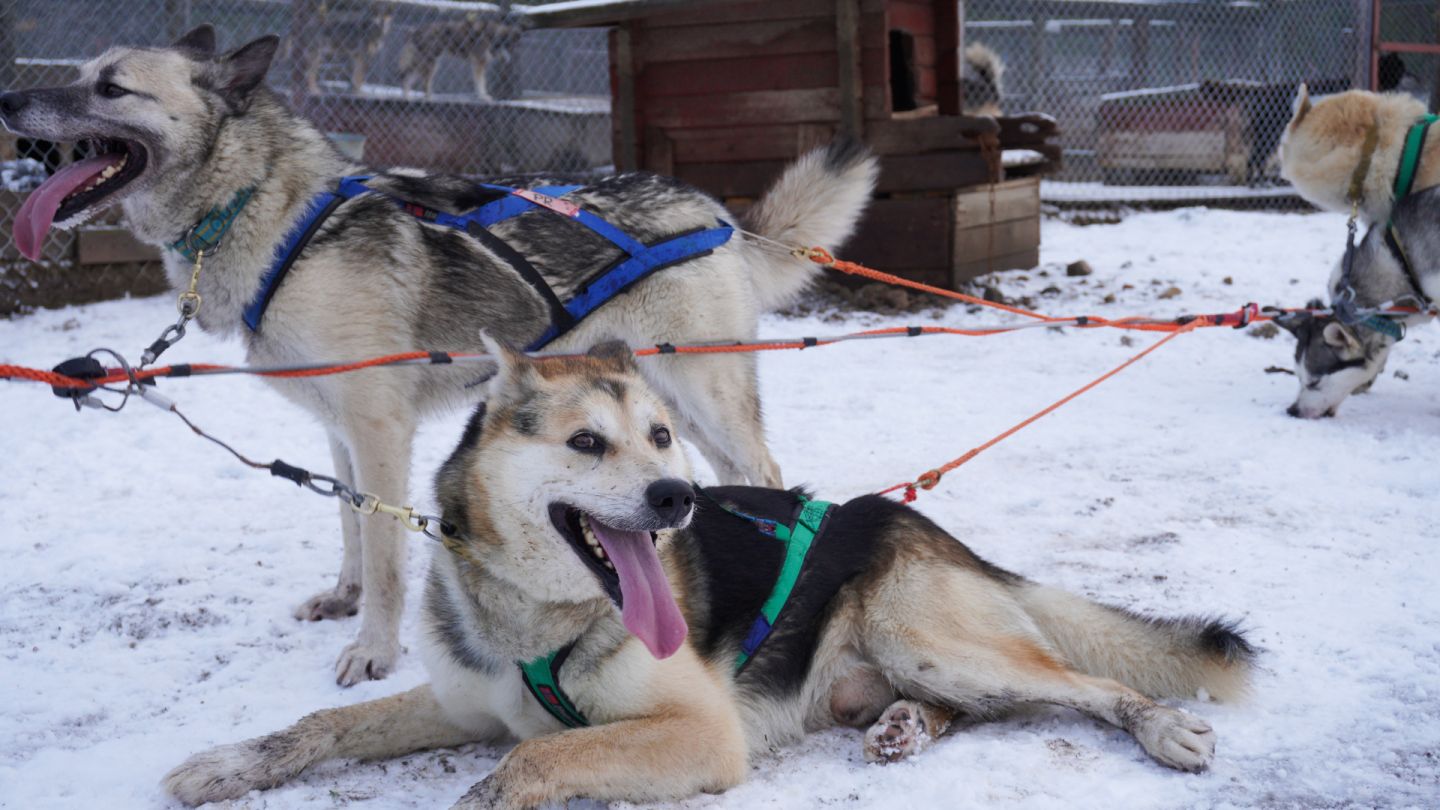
(740, 562)
(560, 317)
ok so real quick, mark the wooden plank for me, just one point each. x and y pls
(761, 11)
(740, 144)
(622, 55)
(917, 18)
(113, 246)
(1023, 130)
(936, 170)
(847, 36)
(949, 43)
(760, 107)
(796, 71)
(659, 152)
(898, 173)
(916, 136)
(737, 40)
(1013, 199)
(1020, 260)
(747, 179)
(998, 239)
(903, 233)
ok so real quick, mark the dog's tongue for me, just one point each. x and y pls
(648, 610)
(38, 212)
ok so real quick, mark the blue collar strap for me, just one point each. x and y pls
(211, 228)
(1389, 327)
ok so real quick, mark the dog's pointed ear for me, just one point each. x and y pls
(244, 69)
(1301, 105)
(199, 40)
(615, 351)
(515, 375)
(1339, 336)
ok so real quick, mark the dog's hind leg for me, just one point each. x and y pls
(389, 727)
(958, 638)
(344, 599)
(381, 452)
(720, 399)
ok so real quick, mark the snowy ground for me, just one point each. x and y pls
(147, 579)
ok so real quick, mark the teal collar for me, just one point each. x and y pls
(208, 232)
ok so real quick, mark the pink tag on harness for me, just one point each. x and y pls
(559, 206)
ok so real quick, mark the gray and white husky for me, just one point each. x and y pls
(1333, 360)
(575, 528)
(181, 130)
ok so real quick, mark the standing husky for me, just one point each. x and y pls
(1324, 147)
(1333, 360)
(576, 531)
(182, 131)
(478, 39)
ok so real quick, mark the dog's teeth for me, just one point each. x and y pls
(610, 565)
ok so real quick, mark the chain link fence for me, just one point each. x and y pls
(443, 84)
(1185, 100)
(1159, 101)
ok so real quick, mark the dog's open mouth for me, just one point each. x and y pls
(77, 190)
(629, 569)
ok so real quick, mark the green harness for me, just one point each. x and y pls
(1410, 158)
(542, 675)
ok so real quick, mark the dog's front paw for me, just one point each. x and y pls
(1182, 741)
(899, 733)
(366, 660)
(336, 603)
(227, 772)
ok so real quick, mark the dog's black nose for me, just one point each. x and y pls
(1293, 410)
(671, 499)
(11, 103)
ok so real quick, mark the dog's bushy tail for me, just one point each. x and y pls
(816, 202)
(1156, 656)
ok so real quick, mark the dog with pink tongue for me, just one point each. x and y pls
(643, 637)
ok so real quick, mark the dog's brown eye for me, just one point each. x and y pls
(113, 90)
(586, 443)
(661, 436)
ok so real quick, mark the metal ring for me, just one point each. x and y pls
(210, 251)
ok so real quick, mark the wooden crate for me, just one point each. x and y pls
(948, 238)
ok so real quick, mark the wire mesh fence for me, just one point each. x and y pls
(443, 84)
(1158, 100)
(1186, 100)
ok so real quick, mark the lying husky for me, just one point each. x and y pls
(575, 531)
(1397, 263)
(192, 143)
(1325, 147)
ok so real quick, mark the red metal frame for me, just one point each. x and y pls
(1377, 46)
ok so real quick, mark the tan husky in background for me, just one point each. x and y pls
(1324, 145)
(576, 529)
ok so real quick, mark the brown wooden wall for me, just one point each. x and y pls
(724, 97)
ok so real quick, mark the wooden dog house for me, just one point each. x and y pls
(723, 93)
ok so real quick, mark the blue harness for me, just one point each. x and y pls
(637, 259)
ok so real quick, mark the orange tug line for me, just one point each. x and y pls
(926, 480)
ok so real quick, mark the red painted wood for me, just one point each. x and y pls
(717, 76)
(737, 40)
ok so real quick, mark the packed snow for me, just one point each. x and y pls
(148, 578)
